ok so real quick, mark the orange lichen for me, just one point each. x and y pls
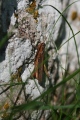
(17, 75)
(74, 15)
(32, 10)
(35, 15)
(33, 4)
(5, 115)
(6, 106)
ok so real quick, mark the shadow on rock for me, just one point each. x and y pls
(8, 8)
(3, 45)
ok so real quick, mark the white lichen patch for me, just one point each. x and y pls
(22, 4)
(27, 72)
(18, 51)
(33, 88)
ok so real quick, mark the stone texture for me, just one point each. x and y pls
(22, 46)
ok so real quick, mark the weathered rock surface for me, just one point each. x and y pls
(20, 47)
(18, 63)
